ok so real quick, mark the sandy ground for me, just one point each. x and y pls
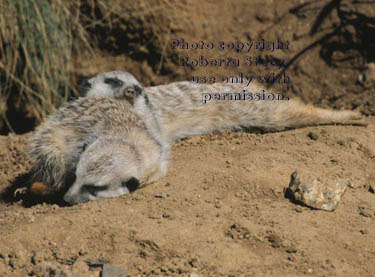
(220, 211)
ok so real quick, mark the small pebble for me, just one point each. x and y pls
(312, 136)
(113, 271)
(371, 189)
(161, 195)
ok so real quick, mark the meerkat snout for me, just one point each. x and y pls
(84, 87)
(132, 184)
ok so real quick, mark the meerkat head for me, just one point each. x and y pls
(108, 168)
(114, 84)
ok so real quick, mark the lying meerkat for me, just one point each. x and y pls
(108, 147)
(53, 172)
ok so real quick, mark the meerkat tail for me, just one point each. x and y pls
(266, 116)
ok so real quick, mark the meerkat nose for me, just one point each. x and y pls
(73, 198)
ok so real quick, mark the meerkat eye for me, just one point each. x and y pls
(114, 82)
(93, 190)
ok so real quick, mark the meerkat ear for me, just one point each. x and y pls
(132, 184)
(84, 86)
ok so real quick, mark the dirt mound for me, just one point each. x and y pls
(221, 210)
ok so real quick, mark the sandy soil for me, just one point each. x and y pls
(221, 210)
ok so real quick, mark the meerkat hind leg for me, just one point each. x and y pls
(295, 114)
(39, 188)
(319, 116)
(347, 117)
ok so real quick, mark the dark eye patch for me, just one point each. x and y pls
(114, 82)
(93, 190)
(138, 90)
(84, 86)
(132, 184)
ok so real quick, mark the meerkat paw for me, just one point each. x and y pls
(357, 122)
(20, 191)
(355, 118)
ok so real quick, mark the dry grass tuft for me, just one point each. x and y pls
(37, 42)
(42, 42)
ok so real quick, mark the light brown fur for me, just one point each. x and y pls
(181, 111)
(111, 145)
